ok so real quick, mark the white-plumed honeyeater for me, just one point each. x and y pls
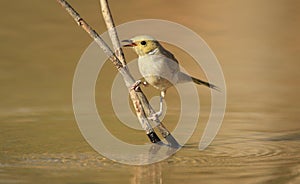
(158, 66)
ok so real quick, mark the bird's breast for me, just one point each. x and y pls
(158, 71)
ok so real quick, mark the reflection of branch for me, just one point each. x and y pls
(148, 174)
(138, 98)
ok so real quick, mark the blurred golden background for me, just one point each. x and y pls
(255, 41)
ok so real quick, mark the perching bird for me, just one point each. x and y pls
(158, 66)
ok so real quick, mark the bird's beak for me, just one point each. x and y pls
(129, 43)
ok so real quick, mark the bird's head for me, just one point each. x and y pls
(142, 45)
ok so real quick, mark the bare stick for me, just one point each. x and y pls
(112, 31)
(107, 16)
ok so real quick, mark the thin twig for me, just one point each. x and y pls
(112, 30)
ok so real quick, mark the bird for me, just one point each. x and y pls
(159, 67)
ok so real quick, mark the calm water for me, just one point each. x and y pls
(257, 44)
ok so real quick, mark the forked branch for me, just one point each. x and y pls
(107, 16)
(138, 98)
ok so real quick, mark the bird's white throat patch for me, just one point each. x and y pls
(153, 51)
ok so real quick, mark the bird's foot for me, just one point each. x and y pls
(137, 84)
(155, 116)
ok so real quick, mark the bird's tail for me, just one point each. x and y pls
(200, 82)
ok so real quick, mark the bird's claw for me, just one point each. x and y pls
(137, 84)
(155, 116)
(152, 117)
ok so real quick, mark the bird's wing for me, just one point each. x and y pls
(171, 61)
(168, 54)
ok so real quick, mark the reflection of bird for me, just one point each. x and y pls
(158, 66)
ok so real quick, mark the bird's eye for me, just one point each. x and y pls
(143, 42)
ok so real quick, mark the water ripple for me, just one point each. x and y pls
(242, 152)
